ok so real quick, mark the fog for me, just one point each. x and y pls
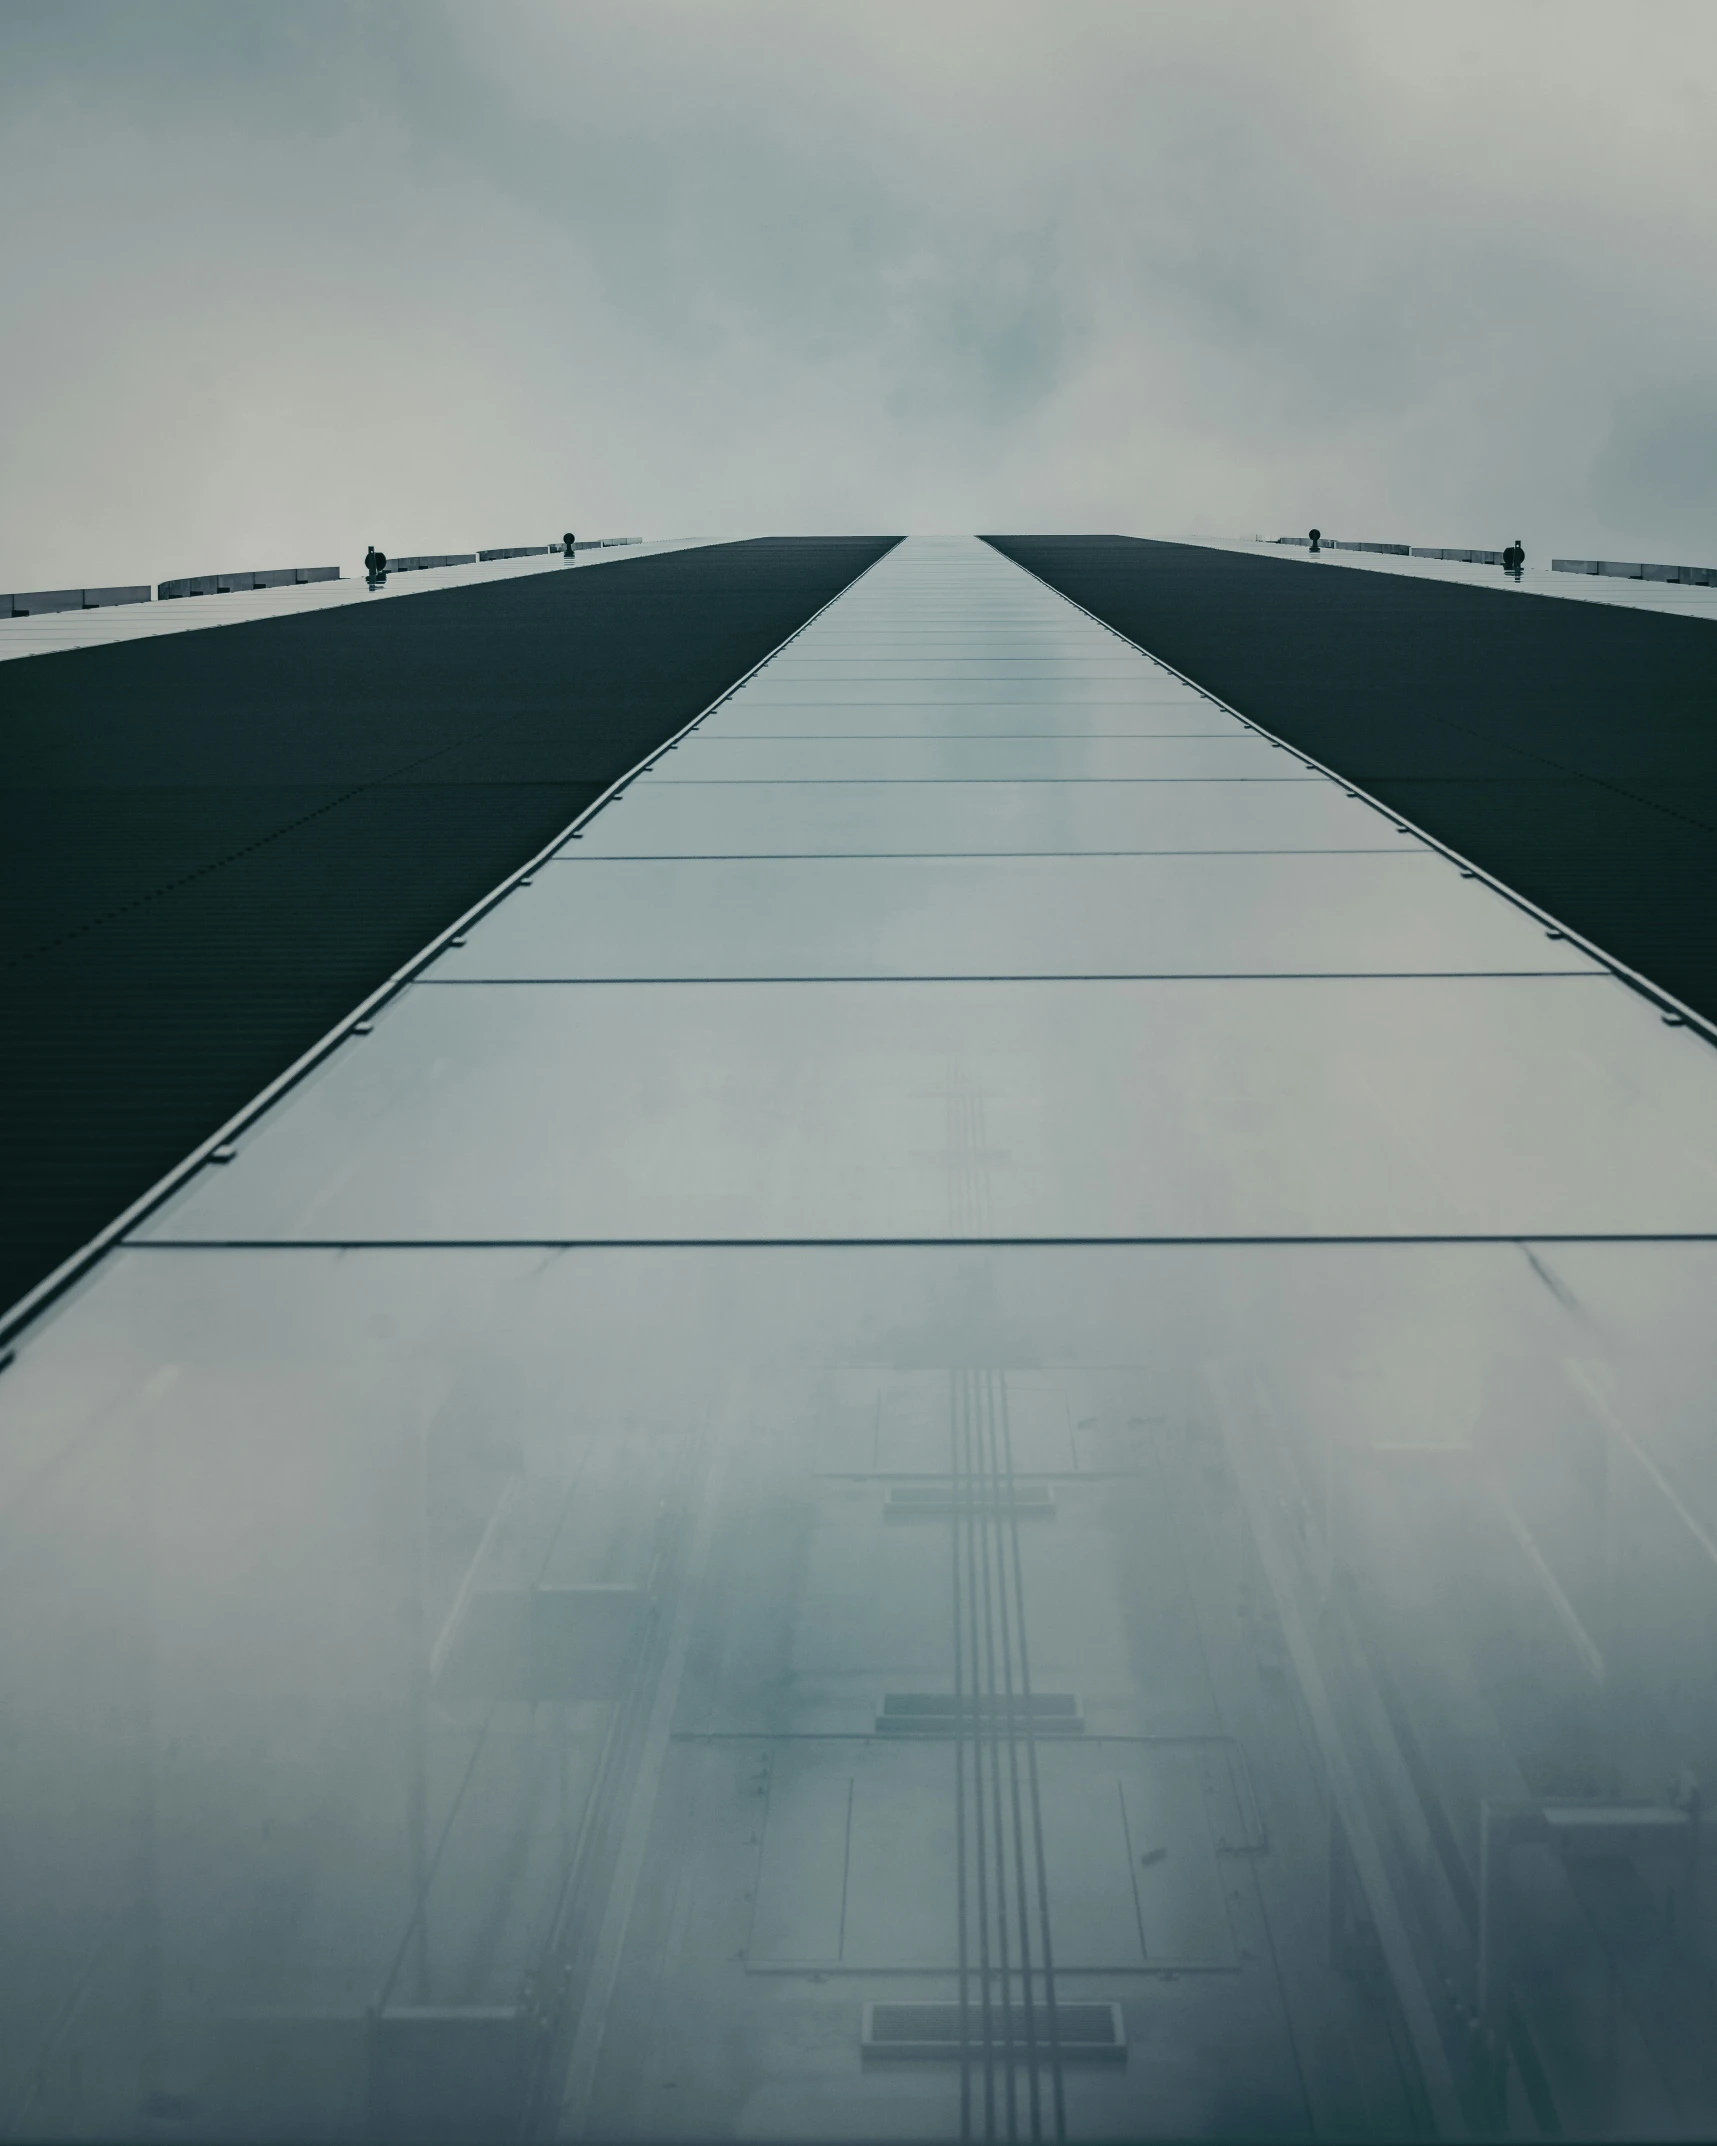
(281, 282)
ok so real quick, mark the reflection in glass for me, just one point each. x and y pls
(1256, 1689)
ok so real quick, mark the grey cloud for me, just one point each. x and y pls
(283, 279)
(1659, 463)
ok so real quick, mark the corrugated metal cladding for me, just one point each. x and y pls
(1570, 750)
(217, 843)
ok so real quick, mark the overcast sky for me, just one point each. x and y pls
(281, 279)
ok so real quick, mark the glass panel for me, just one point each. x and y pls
(713, 756)
(453, 1691)
(1017, 714)
(1074, 665)
(771, 819)
(1125, 685)
(1296, 1107)
(1342, 913)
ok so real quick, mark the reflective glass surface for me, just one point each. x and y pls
(980, 715)
(1335, 912)
(465, 1687)
(978, 685)
(712, 756)
(669, 819)
(482, 1660)
(1063, 1109)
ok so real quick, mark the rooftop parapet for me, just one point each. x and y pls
(272, 577)
(1343, 544)
(27, 603)
(1635, 570)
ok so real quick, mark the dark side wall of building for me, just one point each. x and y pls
(217, 842)
(1569, 748)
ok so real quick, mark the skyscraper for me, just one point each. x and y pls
(931, 1386)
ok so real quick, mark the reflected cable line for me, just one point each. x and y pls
(989, 1635)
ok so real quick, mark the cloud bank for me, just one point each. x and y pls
(279, 282)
